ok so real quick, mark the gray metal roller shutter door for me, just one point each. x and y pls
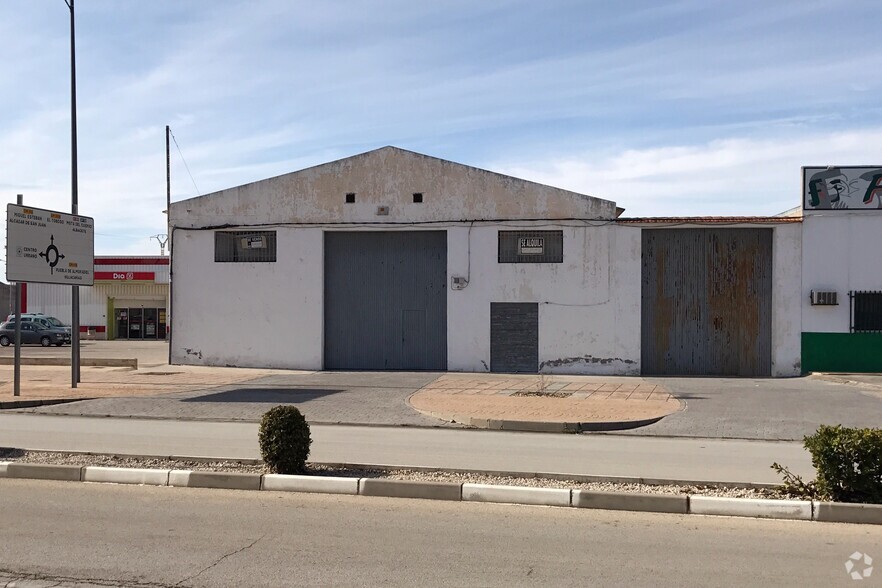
(707, 302)
(385, 300)
(514, 337)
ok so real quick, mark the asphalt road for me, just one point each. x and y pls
(716, 460)
(69, 534)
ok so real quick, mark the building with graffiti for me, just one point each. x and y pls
(842, 269)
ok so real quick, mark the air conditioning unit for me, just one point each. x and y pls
(823, 298)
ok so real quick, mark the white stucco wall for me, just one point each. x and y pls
(589, 305)
(248, 314)
(786, 307)
(841, 252)
(271, 314)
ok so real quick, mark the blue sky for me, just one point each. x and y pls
(689, 107)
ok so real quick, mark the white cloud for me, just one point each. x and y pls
(736, 176)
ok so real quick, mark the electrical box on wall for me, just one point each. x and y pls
(458, 283)
(823, 298)
(382, 211)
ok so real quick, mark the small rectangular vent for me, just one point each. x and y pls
(824, 298)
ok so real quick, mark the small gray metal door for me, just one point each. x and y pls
(386, 300)
(514, 337)
(707, 302)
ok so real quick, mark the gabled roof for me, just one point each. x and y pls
(388, 177)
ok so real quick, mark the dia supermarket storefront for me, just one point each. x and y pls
(128, 301)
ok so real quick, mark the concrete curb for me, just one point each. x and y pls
(38, 402)
(516, 495)
(660, 503)
(65, 361)
(223, 480)
(751, 507)
(39, 471)
(549, 427)
(669, 503)
(408, 489)
(125, 476)
(840, 512)
(316, 484)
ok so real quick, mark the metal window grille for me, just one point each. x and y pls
(530, 247)
(866, 311)
(245, 246)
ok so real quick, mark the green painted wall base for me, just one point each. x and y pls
(842, 352)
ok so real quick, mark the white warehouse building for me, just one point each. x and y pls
(394, 260)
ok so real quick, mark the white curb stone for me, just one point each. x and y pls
(3, 465)
(516, 494)
(126, 476)
(317, 484)
(179, 478)
(751, 507)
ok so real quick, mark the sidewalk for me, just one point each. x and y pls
(520, 402)
(728, 408)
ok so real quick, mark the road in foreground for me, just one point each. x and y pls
(609, 455)
(152, 536)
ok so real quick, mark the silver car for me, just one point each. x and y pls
(33, 333)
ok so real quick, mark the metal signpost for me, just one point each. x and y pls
(51, 248)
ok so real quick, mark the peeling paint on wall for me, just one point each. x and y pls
(189, 351)
(585, 359)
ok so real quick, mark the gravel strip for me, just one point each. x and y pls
(79, 459)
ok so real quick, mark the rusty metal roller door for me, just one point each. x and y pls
(707, 302)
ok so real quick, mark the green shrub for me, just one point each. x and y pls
(848, 463)
(284, 440)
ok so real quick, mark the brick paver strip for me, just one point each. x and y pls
(537, 408)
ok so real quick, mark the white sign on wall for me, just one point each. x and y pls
(842, 188)
(49, 247)
(531, 245)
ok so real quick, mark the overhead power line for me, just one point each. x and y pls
(185, 162)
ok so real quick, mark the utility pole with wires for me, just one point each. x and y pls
(166, 238)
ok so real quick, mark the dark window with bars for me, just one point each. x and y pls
(530, 246)
(244, 246)
(866, 311)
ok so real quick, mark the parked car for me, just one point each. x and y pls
(46, 321)
(33, 332)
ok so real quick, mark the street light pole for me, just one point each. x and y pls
(74, 205)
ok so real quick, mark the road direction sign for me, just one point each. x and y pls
(49, 247)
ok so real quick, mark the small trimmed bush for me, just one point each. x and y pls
(848, 466)
(848, 463)
(284, 440)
